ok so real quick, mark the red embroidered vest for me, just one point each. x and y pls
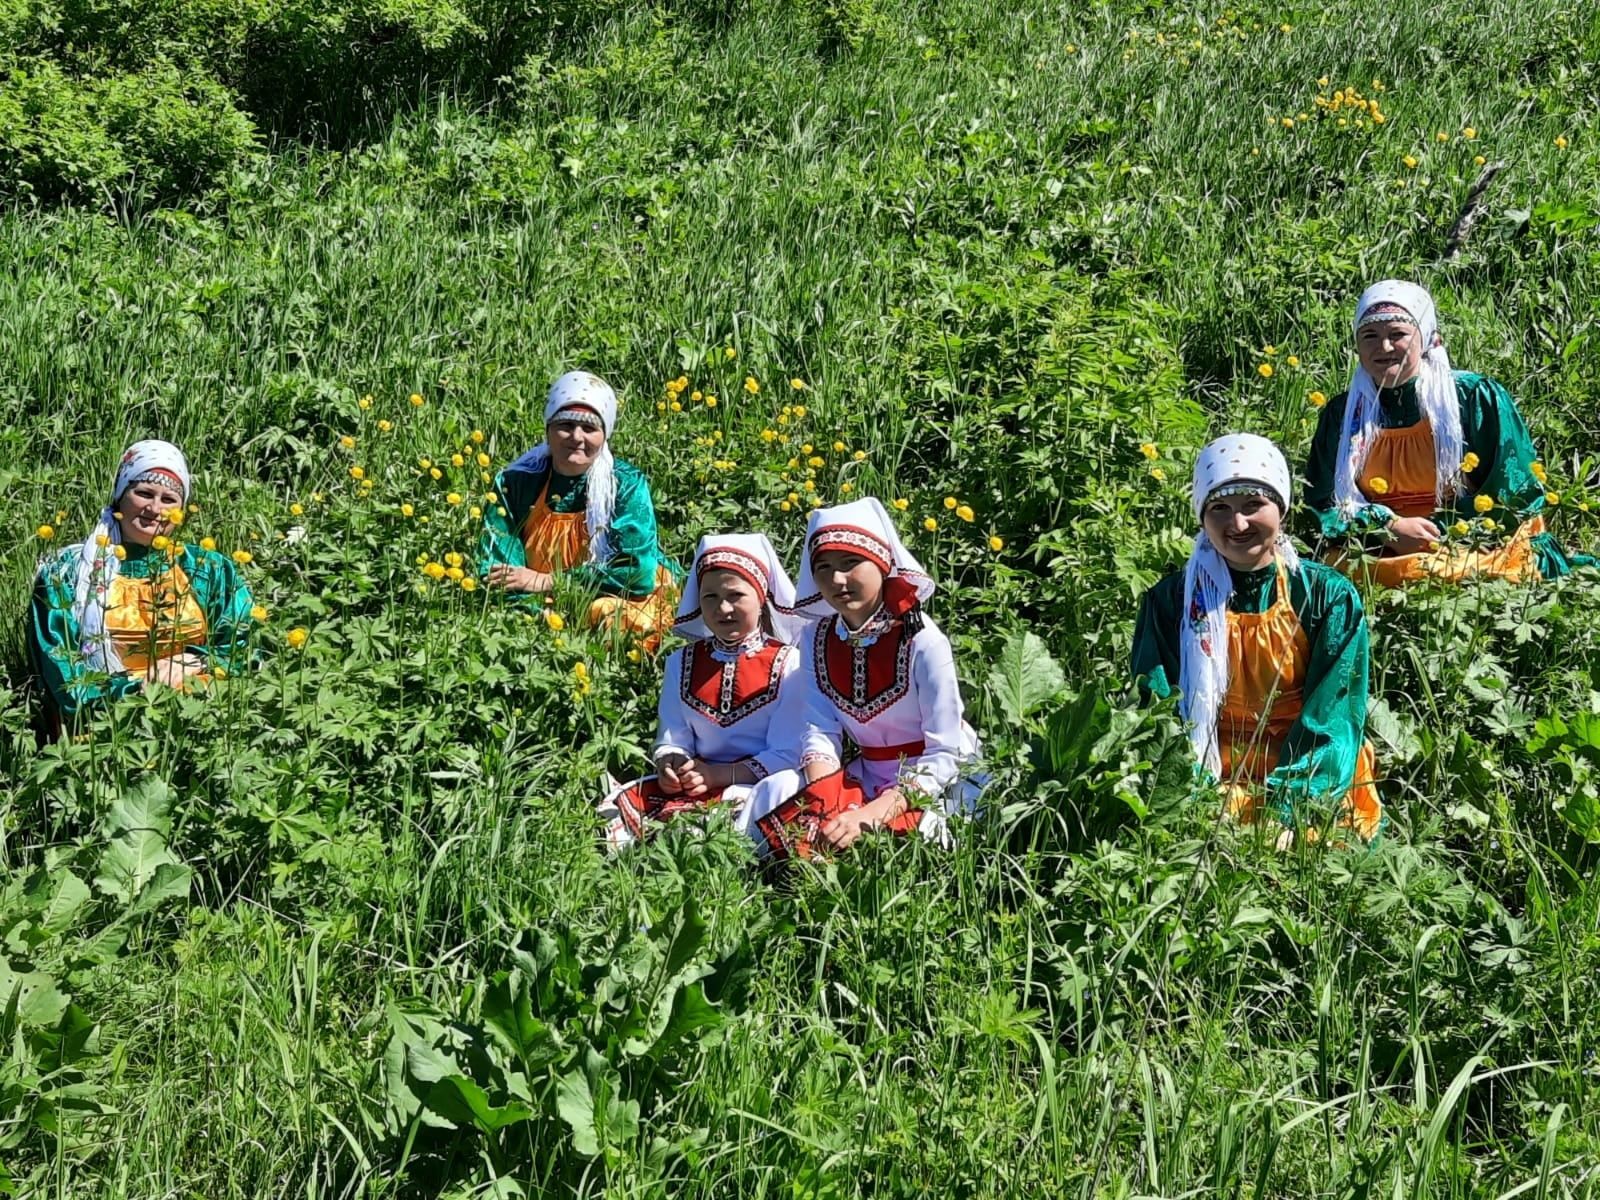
(728, 692)
(863, 681)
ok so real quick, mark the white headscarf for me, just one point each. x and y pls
(98, 565)
(1235, 460)
(750, 555)
(580, 389)
(863, 527)
(1436, 396)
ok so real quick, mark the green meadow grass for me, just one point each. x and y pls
(342, 928)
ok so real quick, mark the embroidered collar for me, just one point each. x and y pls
(723, 652)
(874, 627)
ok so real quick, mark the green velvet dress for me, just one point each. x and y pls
(1319, 754)
(54, 635)
(1491, 428)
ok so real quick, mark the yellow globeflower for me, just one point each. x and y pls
(751, 386)
(120, 552)
(859, 456)
(454, 558)
(1461, 529)
(711, 401)
(1552, 498)
(784, 505)
(416, 400)
(483, 459)
(1148, 449)
(365, 402)
(814, 461)
(434, 570)
(799, 410)
(457, 461)
(729, 352)
(100, 539)
(950, 503)
(1561, 143)
(455, 574)
(1293, 360)
(1264, 370)
(1158, 474)
(348, 442)
(769, 435)
(1410, 161)
(1378, 485)
(1470, 462)
(408, 510)
(469, 584)
(475, 513)
(1478, 160)
(554, 621)
(453, 498)
(296, 637)
(385, 426)
(45, 532)
(358, 473)
(207, 543)
(995, 543)
(258, 613)
(838, 447)
(243, 557)
(1537, 471)
(297, 510)
(929, 524)
(902, 504)
(1483, 502)
(1441, 136)
(435, 473)
(175, 516)
(1469, 133)
(160, 542)
(965, 512)
(1317, 399)
(798, 385)
(477, 437)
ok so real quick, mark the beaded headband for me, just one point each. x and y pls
(1386, 313)
(578, 415)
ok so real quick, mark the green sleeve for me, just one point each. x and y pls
(1157, 656)
(499, 545)
(53, 635)
(630, 570)
(1494, 430)
(1318, 761)
(224, 596)
(1322, 468)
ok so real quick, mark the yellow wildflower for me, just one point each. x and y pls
(408, 510)
(365, 402)
(207, 543)
(483, 459)
(435, 473)
(676, 406)
(358, 473)
(1378, 485)
(1293, 360)
(475, 513)
(729, 353)
(950, 503)
(798, 385)
(711, 401)
(965, 512)
(929, 524)
(297, 510)
(453, 498)
(1482, 502)
(1561, 143)
(160, 542)
(45, 532)
(1317, 399)
(457, 461)
(469, 584)
(175, 516)
(902, 504)
(477, 437)
(995, 543)
(1441, 136)
(433, 570)
(554, 621)
(814, 461)
(751, 386)
(1158, 474)
(1469, 133)
(1478, 160)
(1411, 161)
(1552, 498)
(799, 410)
(1461, 529)
(1148, 449)
(100, 539)
(416, 400)
(348, 442)
(784, 505)
(296, 637)
(838, 447)
(1264, 370)
(243, 557)
(1537, 470)
(385, 426)
(258, 613)
(1269, 351)
(454, 574)
(120, 552)
(859, 456)
(1470, 462)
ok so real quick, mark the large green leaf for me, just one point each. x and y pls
(39, 1002)
(1023, 677)
(462, 1102)
(138, 824)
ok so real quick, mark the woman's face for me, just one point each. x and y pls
(1244, 529)
(729, 605)
(142, 511)
(1391, 351)
(573, 447)
(852, 585)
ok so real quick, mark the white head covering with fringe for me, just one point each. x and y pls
(1436, 396)
(1233, 464)
(864, 528)
(98, 564)
(750, 555)
(582, 390)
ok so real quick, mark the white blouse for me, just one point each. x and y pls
(721, 706)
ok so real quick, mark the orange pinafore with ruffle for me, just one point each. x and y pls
(1268, 657)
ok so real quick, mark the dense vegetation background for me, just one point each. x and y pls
(341, 927)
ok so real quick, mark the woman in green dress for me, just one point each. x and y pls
(571, 507)
(129, 607)
(1269, 653)
(1414, 451)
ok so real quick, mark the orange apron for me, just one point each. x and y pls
(153, 618)
(1268, 654)
(1404, 459)
(554, 541)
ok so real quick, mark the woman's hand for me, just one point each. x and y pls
(842, 831)
(1414, 535)
(518, 579)
(669, 773)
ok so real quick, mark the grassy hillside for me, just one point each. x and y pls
(341, 927)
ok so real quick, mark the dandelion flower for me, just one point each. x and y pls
(243, 557)
(296, 637)
(45, 532)
(929, 524)
(1148, 449)
(258, 613)
(995, 543)
(1264, 370)
(1318, 399)
(965, 512)
(1482, 502)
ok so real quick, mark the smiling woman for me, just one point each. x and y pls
(569, 506)
(128, 605)
(1269, 653)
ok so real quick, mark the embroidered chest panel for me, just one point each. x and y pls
(861, 681)
(727, 692)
